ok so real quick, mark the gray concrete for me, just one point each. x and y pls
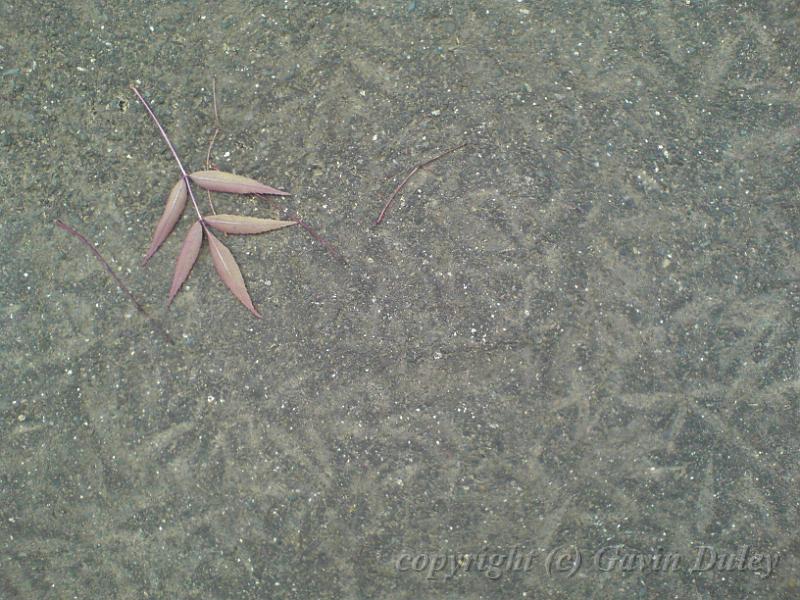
(578, 331)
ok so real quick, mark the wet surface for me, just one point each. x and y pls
(578, 332)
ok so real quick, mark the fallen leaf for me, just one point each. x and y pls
(186, 258)
(176, 202)
(229, 272)
(239, 224)
(220, 181)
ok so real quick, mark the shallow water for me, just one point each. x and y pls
(575, 337)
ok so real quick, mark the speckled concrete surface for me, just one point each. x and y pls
(578, 332)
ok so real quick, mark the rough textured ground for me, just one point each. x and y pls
(580, 331)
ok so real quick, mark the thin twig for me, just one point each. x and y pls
(213, 137)
(332, 250)
(72, 231)
(164, 135)
(403, 183)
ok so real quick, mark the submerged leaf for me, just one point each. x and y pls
(239, 224)
(176, 202)
(220, 181)
(229, 272)
(186, 258)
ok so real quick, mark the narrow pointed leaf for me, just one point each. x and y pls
(229, 272)
(176, 202)
(220, 181)
(239, 224)
(186, 258)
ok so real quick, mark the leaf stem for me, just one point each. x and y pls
(403, 183)
(310, 230)
(107, 267)
(164, 135)
(213, 137)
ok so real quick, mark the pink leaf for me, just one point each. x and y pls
(186, 258)
(229, 272)
(176, 202)
(238, 224)
(220, 181)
